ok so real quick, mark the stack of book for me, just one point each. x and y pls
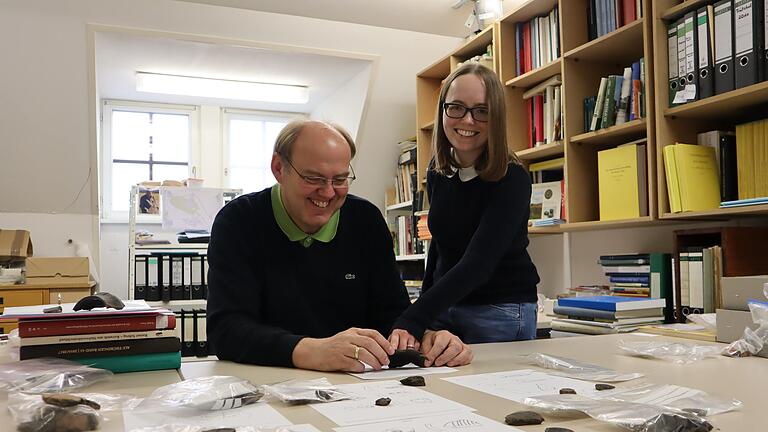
(644, 275)
(606, 314)
(136, 338)
(537, 42)
(545, 112)
(620, 98)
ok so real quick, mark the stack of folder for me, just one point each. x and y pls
(606, 314)
(715, 49)
(136, 338)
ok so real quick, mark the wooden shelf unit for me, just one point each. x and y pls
(582, 66)
(429, 81)
(681, 124)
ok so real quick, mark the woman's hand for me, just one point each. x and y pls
(401, 339)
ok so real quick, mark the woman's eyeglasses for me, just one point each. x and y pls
(457, 111)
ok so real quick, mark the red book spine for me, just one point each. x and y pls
(37, 328)
(530, 123)
(527, 43)
(628, 11)
(563, 216)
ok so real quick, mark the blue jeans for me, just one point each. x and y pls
(500, 322)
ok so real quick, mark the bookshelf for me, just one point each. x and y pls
(682, 123)
(581, 65)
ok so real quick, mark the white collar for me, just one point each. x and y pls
(465, 174)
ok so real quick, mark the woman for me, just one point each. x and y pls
(480, 282)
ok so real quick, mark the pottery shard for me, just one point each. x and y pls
(67, 400)
(404, 357)
(604, 387)
(523, 418)
(383, 401)
(557, 429)
(414, 381)
(566, 390)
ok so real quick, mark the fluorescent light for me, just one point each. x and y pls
(220, 89)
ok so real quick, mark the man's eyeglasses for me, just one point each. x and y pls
(320, 181)
(457, 111)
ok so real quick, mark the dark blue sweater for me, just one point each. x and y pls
(266, 292)
(478, 251)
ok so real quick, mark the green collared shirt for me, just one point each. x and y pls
(294, 233)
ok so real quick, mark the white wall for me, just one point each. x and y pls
(46, 129)
(345, 106)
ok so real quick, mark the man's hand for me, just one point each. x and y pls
(443, 348)
(401, 339)
(343, 351)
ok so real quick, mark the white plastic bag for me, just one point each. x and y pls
(753, 341)
(676, 352)
(49, 375)
(302, 392)
(571, 368)
(203, 394)
(31, 413)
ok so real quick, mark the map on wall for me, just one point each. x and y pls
(190, 208)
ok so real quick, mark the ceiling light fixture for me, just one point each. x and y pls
(221, 89)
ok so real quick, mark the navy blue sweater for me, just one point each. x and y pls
(266, 292)
(478, 251)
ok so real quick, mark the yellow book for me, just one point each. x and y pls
(547, 164)
(745, 160)
(622, 182)
(760, 158)
(697, 175)
(673, 187)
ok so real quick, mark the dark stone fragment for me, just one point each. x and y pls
(604, 387)
(557, 429)
(67, 400)
(50, 418)
(414, 381)
(670, 422)
(324, 395)
(403, 357)
(523, 418)
(383, 401)
(566, 390)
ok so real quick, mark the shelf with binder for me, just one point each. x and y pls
(710, 89)
(166, 274)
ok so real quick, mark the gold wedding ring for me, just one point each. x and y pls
(357, 352)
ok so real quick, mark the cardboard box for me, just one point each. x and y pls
(731, 324)
(65, 270)
(737, 291)
(15, 245)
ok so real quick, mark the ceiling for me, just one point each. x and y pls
(119, 56)
(426, 16)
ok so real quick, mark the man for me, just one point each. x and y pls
(303, 275)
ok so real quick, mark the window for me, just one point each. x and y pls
(144, 142)
(249, 140)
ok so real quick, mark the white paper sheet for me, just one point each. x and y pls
(407, 402)
(404, 371)
(189, 208)
(465, 422)
(259, 414)
(520, 384)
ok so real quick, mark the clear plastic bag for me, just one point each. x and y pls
(753, 341)
(571, 368)
(637, 417)
(187, 428)
(203, 394)
(673, 397)
(303, 392)
(49, 375)
(676, 352)
(31, 413)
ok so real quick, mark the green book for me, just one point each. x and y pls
(135, 363)
(609, 105)
(661, 282)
